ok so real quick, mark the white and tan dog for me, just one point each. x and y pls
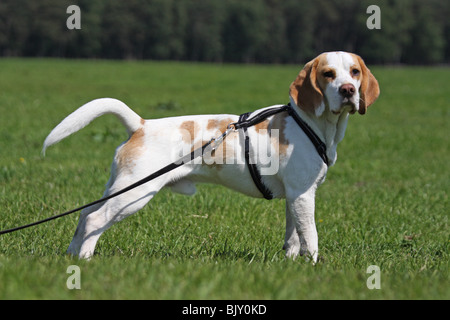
(327, 90)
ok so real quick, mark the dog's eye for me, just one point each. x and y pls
(328, 74)
(355, 72)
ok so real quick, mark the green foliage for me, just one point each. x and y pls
(263, 31)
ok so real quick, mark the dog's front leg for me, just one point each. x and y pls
(300, 210)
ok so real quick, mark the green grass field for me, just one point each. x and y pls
(384, 203)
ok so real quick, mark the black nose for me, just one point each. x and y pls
(347, 90)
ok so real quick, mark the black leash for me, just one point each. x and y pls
(210, 146)
(207, 147)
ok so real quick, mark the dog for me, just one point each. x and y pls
(326, 91)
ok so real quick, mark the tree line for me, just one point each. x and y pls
(240, 31)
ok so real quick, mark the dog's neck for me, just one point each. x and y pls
(328, 126)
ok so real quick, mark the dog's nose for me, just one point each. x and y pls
(347, 90)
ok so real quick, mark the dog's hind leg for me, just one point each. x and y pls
(291, 239)
(97, 219)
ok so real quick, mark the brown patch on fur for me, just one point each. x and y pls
(224, 151)
(142, 121)
(278, 122)
(212, 123)
(220, 125)
(369, 90)
(188, 130)
(262, 125)
(131, 150)
(225, 147)
(323, 67)
(305, 90)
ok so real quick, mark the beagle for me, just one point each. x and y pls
(326, 91)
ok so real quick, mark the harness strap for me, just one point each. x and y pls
(318, 144)
(254, 172)
(244, 122)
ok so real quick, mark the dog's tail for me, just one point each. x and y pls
(81, 117)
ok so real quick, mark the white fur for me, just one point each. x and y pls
(341, 63)
(156, 143)
(88, 112)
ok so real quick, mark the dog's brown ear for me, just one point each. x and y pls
(304, 90)
(369, 90)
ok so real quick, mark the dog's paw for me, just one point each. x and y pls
(291, 251)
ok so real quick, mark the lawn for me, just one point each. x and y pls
(385, 202)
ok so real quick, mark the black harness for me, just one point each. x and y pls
(244, 122)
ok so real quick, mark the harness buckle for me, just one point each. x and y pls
(232, 126)
(214, 143)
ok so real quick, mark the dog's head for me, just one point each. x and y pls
(339, 80)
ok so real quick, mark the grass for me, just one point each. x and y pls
(385, 202)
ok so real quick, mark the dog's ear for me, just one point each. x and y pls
(304, 91)
(369, 90)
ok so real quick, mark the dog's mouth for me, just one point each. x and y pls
(346, 104)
